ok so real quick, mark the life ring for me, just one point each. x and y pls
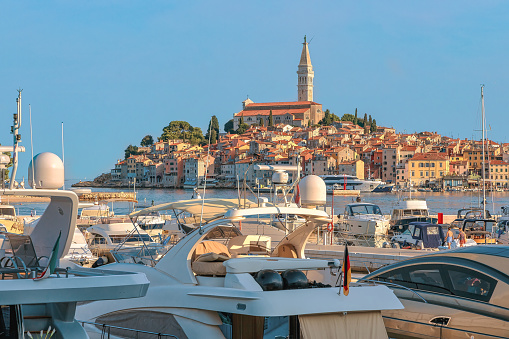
(330, 227)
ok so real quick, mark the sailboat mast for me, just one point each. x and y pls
(483, 156)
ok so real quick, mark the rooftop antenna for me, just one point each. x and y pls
(16, 138)
(32, 146)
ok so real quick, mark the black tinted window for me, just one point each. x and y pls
(471, 284)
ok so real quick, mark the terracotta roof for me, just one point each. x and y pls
(498, 162)
(429, 156)
(266, 112)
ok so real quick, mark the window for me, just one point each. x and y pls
(440, 164)
(417, 232)
(421, 174)
(470, 284)
(433, 164)
(413, 164)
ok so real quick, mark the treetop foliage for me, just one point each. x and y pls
(182, 130)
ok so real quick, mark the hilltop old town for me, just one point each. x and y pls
(301, 133)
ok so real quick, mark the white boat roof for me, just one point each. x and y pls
(119, 228)
(412, 204)
(239, 214)
(212, 208)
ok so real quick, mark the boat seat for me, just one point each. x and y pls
(209, 268)
(208, 246)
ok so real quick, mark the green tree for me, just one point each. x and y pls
(328, 118)
(365, 120)
(182, 130)
(228, 127)
(271, 119)
(213, 137)
(243, 127)
(213, 125)
(348, 117)
(147, 140)
(370, 120)
(355, 121)
(262, 122)
(131, 150)
(373, 126)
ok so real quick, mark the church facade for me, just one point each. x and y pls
(303, 112)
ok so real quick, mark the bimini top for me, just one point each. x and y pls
(212, 208)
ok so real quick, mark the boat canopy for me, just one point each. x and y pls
(212, 208)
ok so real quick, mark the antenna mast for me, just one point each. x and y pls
(483, 155)
(16, 138)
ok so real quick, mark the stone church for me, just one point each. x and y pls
(303, 112)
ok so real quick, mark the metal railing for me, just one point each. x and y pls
(445, 327)
(106, 330)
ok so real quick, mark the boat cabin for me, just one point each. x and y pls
(102, 238)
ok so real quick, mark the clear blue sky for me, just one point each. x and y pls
(115, 71)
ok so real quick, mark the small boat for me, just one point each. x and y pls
(407, 211)
(383, 188)
(363, 224)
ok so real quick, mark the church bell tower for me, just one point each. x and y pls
(305, 75)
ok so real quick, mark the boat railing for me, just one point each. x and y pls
(106, 330)
(467, 333)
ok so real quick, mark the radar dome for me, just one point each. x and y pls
(48, 171)
(313, 191)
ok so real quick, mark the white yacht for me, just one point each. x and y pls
(102, 238)
(407, 211)
(217, 283)
(338, 181)
(363, 224)
(37, 298)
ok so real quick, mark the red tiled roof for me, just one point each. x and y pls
(498, 162)
(266, 112)
(257, 104)
(429, 156)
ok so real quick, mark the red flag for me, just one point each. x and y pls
(297, 196)
(347, 272)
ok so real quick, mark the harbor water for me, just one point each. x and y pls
(447, 203)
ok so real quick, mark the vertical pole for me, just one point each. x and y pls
(63, 157)
(483, 157)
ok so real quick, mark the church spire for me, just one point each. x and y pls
(305, 74)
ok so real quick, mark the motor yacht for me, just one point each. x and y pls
(407, 211)
(39, 290)
(217, 283)
(460, 293)
(351, 182)
(102, 238)
(363, 224)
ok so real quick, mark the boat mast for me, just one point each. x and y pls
(16, 138)
(483, 156)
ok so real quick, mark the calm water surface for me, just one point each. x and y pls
(447, 203)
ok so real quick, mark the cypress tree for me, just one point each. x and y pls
(355, 119)
(271, 121)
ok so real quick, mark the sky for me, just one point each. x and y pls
(115, 71)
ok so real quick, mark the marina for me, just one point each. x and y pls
(254, 170)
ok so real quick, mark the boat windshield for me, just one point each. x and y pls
(364, 209)
(7, 211)
(132, 238)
